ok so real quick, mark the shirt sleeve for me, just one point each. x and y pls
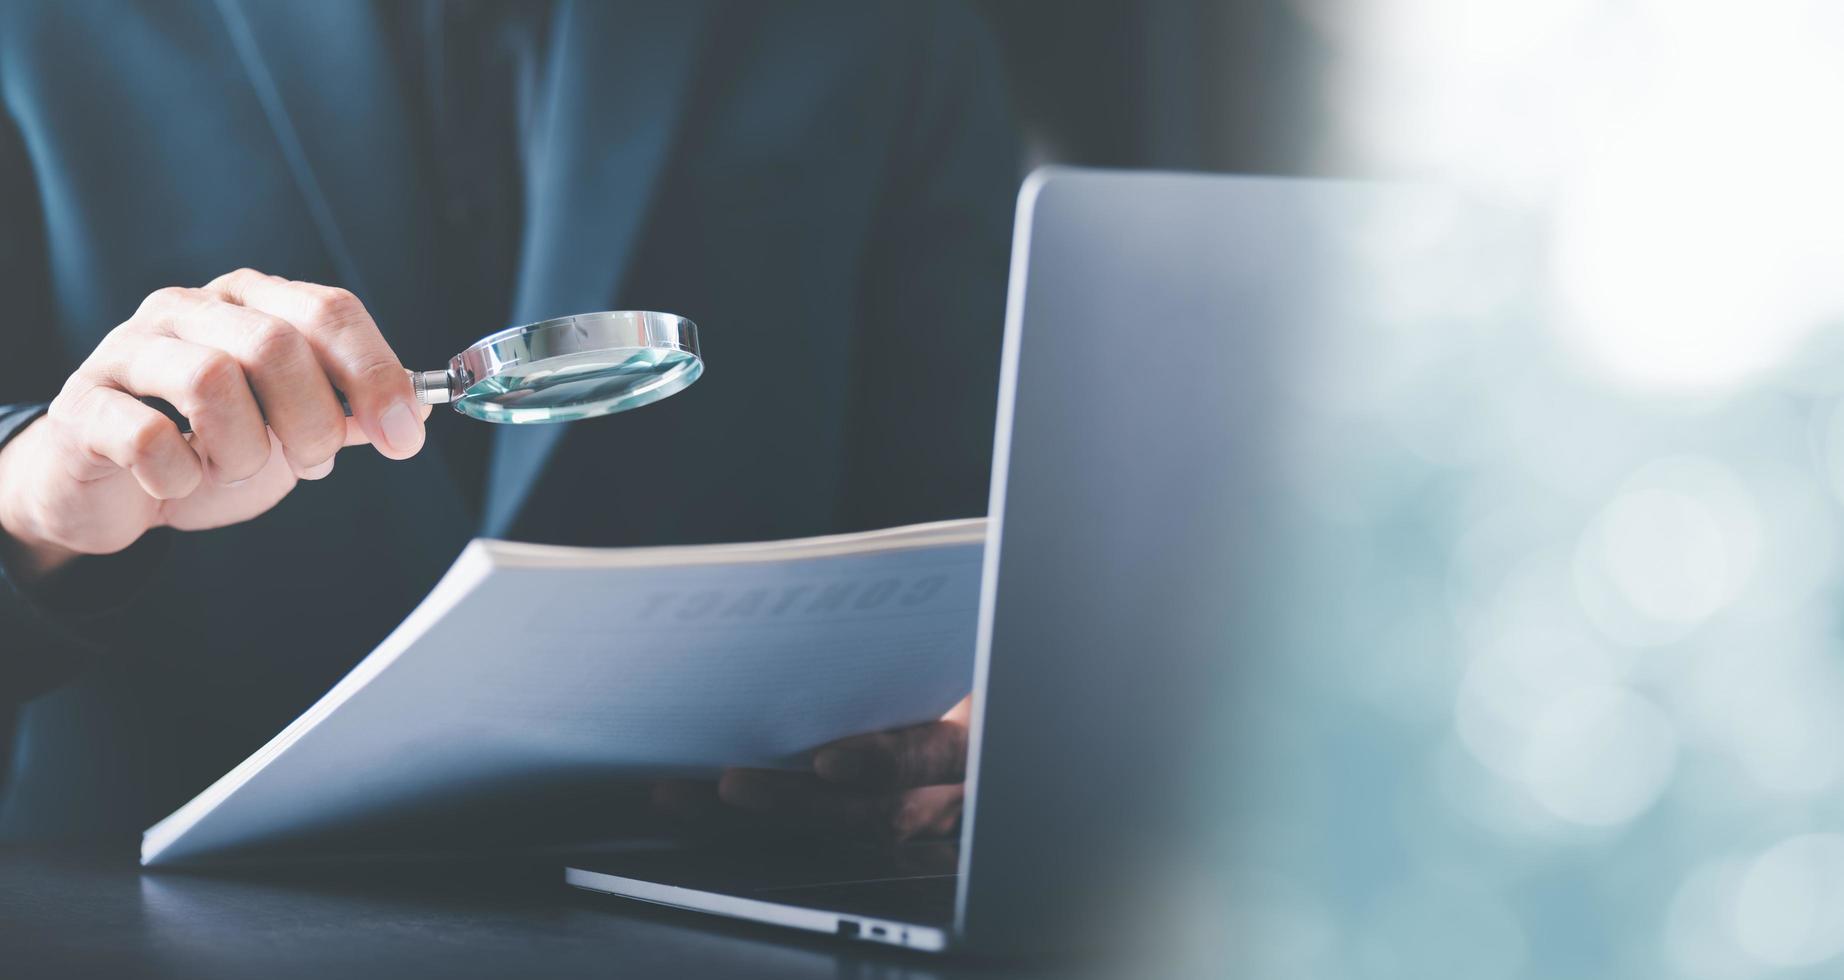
(927, 373)
(48, 631)
(51, 631)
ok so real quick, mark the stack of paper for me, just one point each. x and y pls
(531, 669)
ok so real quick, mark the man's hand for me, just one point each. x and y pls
(102, 468)
(889, 786)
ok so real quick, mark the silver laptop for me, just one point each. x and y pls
(1130, 423)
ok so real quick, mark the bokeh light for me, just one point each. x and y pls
(1600, 756)
(1678, 542)
(1563, 694)
(1699, 934)
(1789, 910)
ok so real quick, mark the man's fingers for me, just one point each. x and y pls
(685, 799)
(349, 348)
(111, 428)
(925, 755)
(932, 811)
(355, 433)
(205, 384)
(297, 400)
(800, 800)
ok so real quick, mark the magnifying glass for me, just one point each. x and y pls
(570, 367)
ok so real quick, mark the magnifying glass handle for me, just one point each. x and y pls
(431, 388)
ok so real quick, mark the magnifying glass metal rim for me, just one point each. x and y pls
(568, 335)
(608, 332)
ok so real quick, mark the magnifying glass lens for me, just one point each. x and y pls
(572, 367)
(579, 386)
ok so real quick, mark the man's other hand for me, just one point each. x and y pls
(890, 786)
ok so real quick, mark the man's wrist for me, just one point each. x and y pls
(29, 556)
(32, 562)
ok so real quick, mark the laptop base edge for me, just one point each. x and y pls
(842, 924)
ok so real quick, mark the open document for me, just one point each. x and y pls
(532, 671)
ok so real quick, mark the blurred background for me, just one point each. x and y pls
(1168, 84)
(1562, 693)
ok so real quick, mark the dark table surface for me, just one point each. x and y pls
(87, 909)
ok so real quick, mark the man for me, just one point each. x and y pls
(241, 207)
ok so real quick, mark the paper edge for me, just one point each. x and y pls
(473, 565)
(513, 554)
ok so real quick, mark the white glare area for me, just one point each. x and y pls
(1562, 686)
(1684, 152)
(1790, 909)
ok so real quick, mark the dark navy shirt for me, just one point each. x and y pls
(470, 73)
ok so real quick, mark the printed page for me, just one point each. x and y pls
(522, 675)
